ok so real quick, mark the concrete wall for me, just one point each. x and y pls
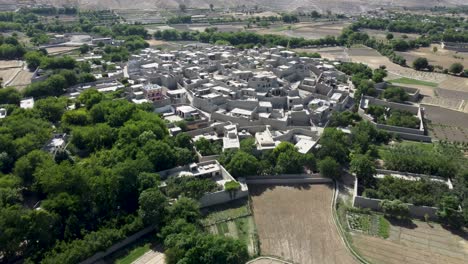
(118, 246)
(425, 176)
(216, 128)
(405, 107)
(235, 120)
(287, 179)
(296, 131)
(221, 197)
(415, 211)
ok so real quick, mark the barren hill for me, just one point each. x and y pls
(344, 6)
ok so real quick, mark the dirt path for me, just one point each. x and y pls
(295, 223)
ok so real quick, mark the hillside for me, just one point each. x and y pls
(349, 6)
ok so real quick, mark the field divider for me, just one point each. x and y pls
(341, 230)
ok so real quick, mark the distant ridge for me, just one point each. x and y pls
(341, 6)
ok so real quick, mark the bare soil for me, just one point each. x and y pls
(415, 244)
(295, 223)
(442, 57)
(446, 124)
(308, 30)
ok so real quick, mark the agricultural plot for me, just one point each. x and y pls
(441, 57)
(233, 220)
(446, 124)
(308, 30)
(13, 73)
(382, 34)
(295, 223)
(418, 242)
(369, 224)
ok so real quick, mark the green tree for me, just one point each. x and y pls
(186, 209)
(159, 154)
(9, 96)
(27, 165)
(456, 68)
(420, 64)
(183, 140)
(329, 168)
(389, 36)
(153, 206)
(395, 94)
(51, 108)
(242, 164)
(33, 59)
(84, 48)
(90, 97)
(364, 168)
(147, 180)
(449, 213)
(395, 208)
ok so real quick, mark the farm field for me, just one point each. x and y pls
(60, 50)
(447, 124)
(373, 59)
(233, 220)
(382, 34)
(308, 30)
(14, 74)
(417, 243)
(442, 57)
(295, 223)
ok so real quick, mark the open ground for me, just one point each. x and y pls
(308, 30)
(295, 223)
(374, 60)
(447, 124)
(441, 57)
(14, 73)
(417, 243)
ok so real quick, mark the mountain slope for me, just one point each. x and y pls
(349, 6)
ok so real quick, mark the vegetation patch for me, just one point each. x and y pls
(410, 81)
(421, 192)
(366, 222)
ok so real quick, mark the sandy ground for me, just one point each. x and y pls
(295, 223)
(416, 244)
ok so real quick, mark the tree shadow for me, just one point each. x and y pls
(462, 233)
(259, 189)
(405, 223)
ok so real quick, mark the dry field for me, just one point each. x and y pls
(308, 30)
(417, 244)
(13, 73)
(447, 124)
(295, 223)
(60, 50)
(382, 35)
(373, 59)
(442, 57)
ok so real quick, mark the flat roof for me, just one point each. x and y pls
(305, 145)
(27, 103)
(241, 111)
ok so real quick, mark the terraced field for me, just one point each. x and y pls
(420, 243)
(295, 223)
